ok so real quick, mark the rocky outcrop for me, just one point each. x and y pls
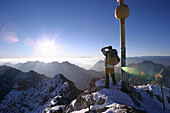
(48, 95)
(130, 90)
(11, 78)
(98, 99)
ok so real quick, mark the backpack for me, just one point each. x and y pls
(112, 57)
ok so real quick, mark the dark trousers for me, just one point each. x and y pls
(112, 72)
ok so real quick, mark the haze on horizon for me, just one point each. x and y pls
(79, 29)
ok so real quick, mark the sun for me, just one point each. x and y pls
(47, 48)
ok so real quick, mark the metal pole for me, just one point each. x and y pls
(162, 97)
(123, 48)
(122, 12)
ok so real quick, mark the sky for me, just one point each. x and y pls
(80, 28)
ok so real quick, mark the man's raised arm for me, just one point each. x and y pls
(103, 50)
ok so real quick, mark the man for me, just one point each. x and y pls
(111, 60)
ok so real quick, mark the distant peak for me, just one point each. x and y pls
(100, 61)
(54, 62)
(32, 72)
(147, 62)
(66, 62)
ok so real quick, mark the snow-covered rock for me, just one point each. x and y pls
(47, 96)
(102, 100)
(11, 78)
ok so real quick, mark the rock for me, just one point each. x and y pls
(97, 110)
(129, 109)
(101, 101)
(168, 98)
(43, 97)
(150, 93)
(84, 102)
(91, 84)
(158, 97)
(135, 96)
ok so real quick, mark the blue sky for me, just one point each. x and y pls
(80, 28)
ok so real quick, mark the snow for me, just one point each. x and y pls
(113, 95)
(99, 83)
(53, 101)
(81, 111)
(73, 102)
(55, 108)
(114, 98)
(35, 99)
(65, 84)
(151, 103)
(113, 108)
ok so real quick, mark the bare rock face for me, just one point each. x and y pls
(91, 86)
(85, 99)
(101, 101)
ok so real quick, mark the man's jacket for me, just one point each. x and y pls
(112, 57)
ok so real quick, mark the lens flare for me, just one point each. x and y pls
(12, 38)
(8, 33)
(136, 72)
(132, 71)
(160, 76)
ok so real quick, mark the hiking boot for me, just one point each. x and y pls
(107, 87)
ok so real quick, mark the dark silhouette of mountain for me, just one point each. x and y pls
(146, 66)
(94, 73)
(164, 60)
(78, 75)
(165, 81)
(10, 77)
(57, 91)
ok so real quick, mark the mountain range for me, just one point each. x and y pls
(144, 66)
(164, 60)
(11, 77)
(78, 75)
(31, 92)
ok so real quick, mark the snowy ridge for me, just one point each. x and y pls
(114, 100)
(3, 69)
(155, 94)
(41, 97)
(12, 78)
